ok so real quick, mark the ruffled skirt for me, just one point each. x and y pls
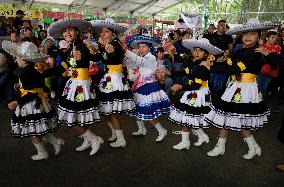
(77, 105)
(240, 107)
(114, 95)
(189, 111)
(35, 118)
(151, 102)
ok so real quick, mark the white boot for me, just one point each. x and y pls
(185, 143)
(56, 142)
(93, 140)
(162, 132)
(113, 136)
(202, 137)
(41, 152)
(96, 144)
(85, 145)
(219, 149)
(141, 129)
(120, 141)
(254, 149)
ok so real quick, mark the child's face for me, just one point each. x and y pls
(198, 53)
(160, 55)
(143, 49)
(21, 63)
(250, 38)
(271, 39)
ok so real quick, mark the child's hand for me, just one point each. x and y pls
(109, 48)
(176, 87)
(13, 105)
(76, 54)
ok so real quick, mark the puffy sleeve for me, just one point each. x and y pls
(133, 61)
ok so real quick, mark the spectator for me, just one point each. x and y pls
(29, 36)
(42, 35)
(209, 32)
(18, 22)
(223, 42)
(164, 68)
(3, 28)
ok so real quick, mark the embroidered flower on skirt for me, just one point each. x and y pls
(238, 77)
(191, 98)
(107, 84)
(237, 96)
(80, 96)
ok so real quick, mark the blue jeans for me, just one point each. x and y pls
(218, 82)
(168, 84)
(178, 73)
(263, 82)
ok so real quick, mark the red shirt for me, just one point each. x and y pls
(272, 48)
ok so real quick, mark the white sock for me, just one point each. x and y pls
(159, 127)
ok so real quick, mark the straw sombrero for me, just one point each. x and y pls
(55, 29)
(108, 23)
(27, 51)
(202, 43)
(253, 24)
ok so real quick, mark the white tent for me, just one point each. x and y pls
(132, 7)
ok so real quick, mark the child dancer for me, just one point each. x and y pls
(77, 105)
(241, 107)
(191, 107)
(151, 100)
(33, 117)
(114, 94)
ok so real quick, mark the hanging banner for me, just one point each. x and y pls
(53, 15)
(192, 20)
(74, 15)
(11, 12)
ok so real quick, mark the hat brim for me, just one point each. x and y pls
(56, 28)
(97, 25)
(135, 44)
(13, 49)
(192, 43)
(251, 27)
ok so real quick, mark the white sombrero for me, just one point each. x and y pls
(253, 24)
(27, 51)
(202, 43)
(108, 23)
(56, 28)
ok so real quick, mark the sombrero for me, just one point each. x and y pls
(55, 29)
(27, 51)
(134, 41)
(253, 24)
(202, 43)
(108, 23)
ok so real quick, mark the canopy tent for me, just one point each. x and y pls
(145, 8)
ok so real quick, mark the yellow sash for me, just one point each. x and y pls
(83, 74)
(245, 78)
(115, 68)
(203, 83)
(39, 91)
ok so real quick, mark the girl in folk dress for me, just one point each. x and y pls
(77, 105)
(191, 107)
(151, 100)
(33, 117)
(114, 94)
(241, 107)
